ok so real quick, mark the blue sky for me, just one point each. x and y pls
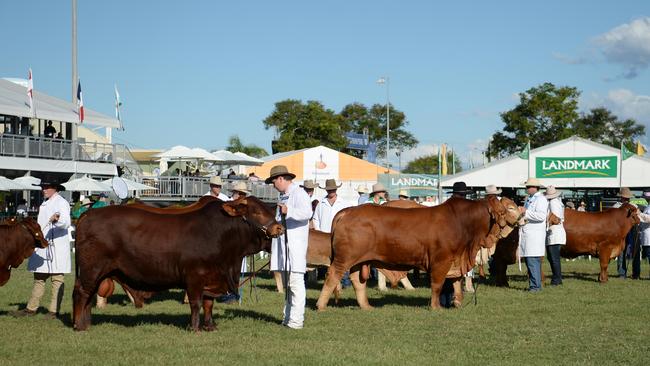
(196, 72)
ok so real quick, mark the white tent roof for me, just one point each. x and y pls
(513, 171)
(14, 102)
(248, 158)
(28, 182)
(131, 185)
(86, 184)
(7, 184)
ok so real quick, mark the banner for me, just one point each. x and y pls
(577, 167)
(416, 185)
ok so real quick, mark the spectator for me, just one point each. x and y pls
(253, 178)
(621, 261)
(231, 174)
(378, 194)
(49, 130)
(571, 205)
(363, 194)
(240, 190)
(555, 236)
(101, 201)
(59, 136)
(644, 229)
(403, 195)
(21, 209)
(309, 187)
(583, 207)
(83, 206)
(54, 260)
(215, 189)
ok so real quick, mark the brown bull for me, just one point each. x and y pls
(600, 234)
(18, 239)
(433, 239)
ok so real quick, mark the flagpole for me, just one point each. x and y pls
(620, 170)
(439, 177)
(528, 160)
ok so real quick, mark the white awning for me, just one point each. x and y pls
(57, 166)
(14, 102)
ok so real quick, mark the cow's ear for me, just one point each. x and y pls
(236, 208)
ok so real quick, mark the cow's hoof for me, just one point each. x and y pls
(209, 328)
(366, 307)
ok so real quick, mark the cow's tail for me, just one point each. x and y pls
(337, 218)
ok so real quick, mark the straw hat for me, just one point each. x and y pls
(571, 205)
(403, 193)
(330, 185)
(551, 193)
(362, 189)
(376, 188)
(492, 189)
(241, 187)
(277, 171)
(216, 181)
(533, 182)
(309, 184)
(86, 202)
(626, 193)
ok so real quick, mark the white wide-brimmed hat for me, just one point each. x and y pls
(403, 193)
(551, 192)
(533, 182)
(241, 188)
(362, 189)
(216, 181)
(492, 189)
(626, 193)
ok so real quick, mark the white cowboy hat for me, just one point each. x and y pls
(533, 182)
(216, 181)
(362, 189)
(492, 189)
(241, 187)
(376, 188)
(551, 192)
(403, 193)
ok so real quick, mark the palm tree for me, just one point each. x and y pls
(235, 144)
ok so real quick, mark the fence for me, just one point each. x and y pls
(192, 188)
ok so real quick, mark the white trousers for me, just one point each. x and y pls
(294, 306)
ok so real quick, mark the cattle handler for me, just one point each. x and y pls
(54, 261)
(289, 251)
(532, 235)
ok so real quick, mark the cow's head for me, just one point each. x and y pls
(506, 214)
(632, 212)
(253, 211)
(22, 237)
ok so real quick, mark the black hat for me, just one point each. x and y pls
(460, 188)
(51, 182)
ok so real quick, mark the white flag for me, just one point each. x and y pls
(118, 104)
(30, 94)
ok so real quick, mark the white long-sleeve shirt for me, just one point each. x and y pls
(298, 214)
(325, 213)
(532, 238)
(55, 258)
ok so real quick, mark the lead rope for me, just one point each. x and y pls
(286, 257)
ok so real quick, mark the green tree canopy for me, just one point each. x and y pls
(428, 164)
(235, 144)
(301, 125)
(548, 113)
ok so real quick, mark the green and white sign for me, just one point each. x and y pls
(417, 185)
(577, 167)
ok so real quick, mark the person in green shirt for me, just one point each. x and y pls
(101, 202)
(378, 194)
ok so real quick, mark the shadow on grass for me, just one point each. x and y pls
(181, 321)
(401, 298)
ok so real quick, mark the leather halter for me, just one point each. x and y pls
(263, 228)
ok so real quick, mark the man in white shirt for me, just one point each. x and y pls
(289, 251)
(215, 189)
(532, 235)
(328, 207)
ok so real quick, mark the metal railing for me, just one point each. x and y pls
(192, 188)
(49, 148)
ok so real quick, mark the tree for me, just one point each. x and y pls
(235, 144)
(358, 118)
(547, 113)
(428, 164)
(302, 125)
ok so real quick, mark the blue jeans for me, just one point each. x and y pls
(345, 280)
(534, 265)
(447, 294)
(553, 256)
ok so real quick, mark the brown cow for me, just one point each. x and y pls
(19, 238)
(433, 239)
(319, 254)
(200, 251)
(601, 234)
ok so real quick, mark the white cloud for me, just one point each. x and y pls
(623, 103)
(627, 45)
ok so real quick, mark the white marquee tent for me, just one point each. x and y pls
(14, 102)
(570, 163)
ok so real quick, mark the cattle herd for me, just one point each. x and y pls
(200, 247)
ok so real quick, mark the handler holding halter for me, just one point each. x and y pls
(289, 251)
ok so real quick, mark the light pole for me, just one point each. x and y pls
(386, 80)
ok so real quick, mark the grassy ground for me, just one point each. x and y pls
(581, 322)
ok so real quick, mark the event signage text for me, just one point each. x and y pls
(577, 167)
(417, 185)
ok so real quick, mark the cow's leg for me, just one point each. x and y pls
(82, 305)
(604, 263)
(208, 323)
(458, 292)
(381, 281)
(333, 277)
(437, 278)
(195, 294)
(359, 289)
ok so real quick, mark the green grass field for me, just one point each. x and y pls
(581, 322)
